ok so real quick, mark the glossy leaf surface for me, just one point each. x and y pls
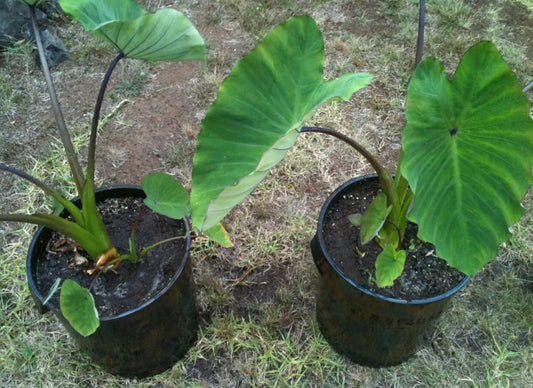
(166, 35)
(255, 119)
(467, 154)
(77, 306)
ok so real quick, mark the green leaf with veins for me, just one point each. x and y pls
(166, 35)
(467, 154)
(77, 306)
(166, 195)
(389, 265)
(256, 118)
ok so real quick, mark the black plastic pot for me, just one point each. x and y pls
(370, 329)
(146, 340)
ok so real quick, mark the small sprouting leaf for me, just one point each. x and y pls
(389, 265)
(219, 235)
(374, 218)
(77, 306)
(133, 257)
(355, 219)
(57, 208)
(165, 195)
(53, 290)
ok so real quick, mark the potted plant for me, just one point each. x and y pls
(467, 152)
(464, 167)
(138, 331)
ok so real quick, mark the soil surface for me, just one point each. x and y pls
(133, 284)
(425, 275)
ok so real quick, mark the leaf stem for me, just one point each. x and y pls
(96, 117)
(420, 38)
(74, 164)
(85, 238)
(71, 208)
(148, 249)
(385, 178)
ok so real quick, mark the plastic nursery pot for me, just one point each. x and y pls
(369, 328)
(145, 340)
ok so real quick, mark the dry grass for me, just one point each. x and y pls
(257, 300)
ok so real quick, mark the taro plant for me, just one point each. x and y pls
(166, 35)
(465, 165)
(467, 148)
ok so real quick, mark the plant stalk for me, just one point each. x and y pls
(421, 25)
(96, 118)
(385, 178)
(73, 162)
(71, 208)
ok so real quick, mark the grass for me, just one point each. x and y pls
(257, 299)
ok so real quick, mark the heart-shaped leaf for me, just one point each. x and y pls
(255, 119)
(77, 306)
(166, 35)
(467, 154)
(389, 265)
(165, 195)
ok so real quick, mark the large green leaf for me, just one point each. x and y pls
(77, 306)
(467, 154)
(256, 117)
(166, 35)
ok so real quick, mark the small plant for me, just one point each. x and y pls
(166, 35)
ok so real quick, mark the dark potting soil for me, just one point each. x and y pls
(425, 275)
(133, 284)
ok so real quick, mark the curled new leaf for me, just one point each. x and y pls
(374, 218)
(33, 2)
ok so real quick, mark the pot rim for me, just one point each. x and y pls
(320, 235)
(35, 241)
